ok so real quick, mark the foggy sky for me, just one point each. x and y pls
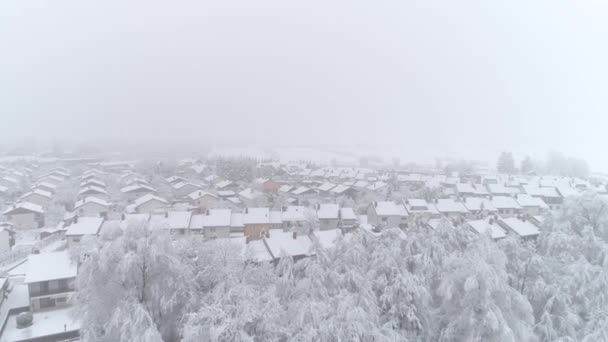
(462, 78)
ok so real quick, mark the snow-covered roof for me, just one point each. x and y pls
(39, 192)
(478, 203)
(256, 251)
(339, 189)
(326, 186)
(328, 211)
(285, 188)
(171, 220)
(347, 214)
(449, 205)
(85, 226)
(197, 221)
(483, 226)
(500, 189)
(276, 217)
(521, 227)
(505, 202)
(218, 218)
(236, 220)
(200, 194)
(24, 206)
(149, 197)
(50, 266)
(526, 200)
(137, 188)
(283, 243)
(91, 199)
(294, 213)
(250, 194)
(465, 188)
(389, 208)
(301, 190)
(256, 216)
(92, 188)
(223, 184)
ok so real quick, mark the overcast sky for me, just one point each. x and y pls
(462, 78)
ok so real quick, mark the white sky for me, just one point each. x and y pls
(462, 78)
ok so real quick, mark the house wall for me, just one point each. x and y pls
(532, 211)
(56, 294)
(216, 232)
(5, 241)
(92, 209)
(255, 230)
(271, 186)
(206, 202)
(326, 224)
(25, 220)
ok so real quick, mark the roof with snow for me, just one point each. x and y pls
(521, 227)
(488, 225)
(283, 243)
(85, 226)
(388, 208)
(218, 218)
(505, 202)
(24, 207)
(478, 204)
(91, 199)
(449, 205)
(328, 211)
(256, 216)
(49, 266)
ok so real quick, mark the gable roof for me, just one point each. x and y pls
(49, 266)
(85, 226)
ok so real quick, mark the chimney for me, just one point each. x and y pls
(295, 235)
(122, 217)
(246, 210)
(166, 214)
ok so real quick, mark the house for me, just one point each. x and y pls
(465, 190)
(480, 206)
(92, 182)
(268, 185)
(549, 195)
(175, 179)
(325, 187)
(46, 186)
(37, 196)
(176, 222)
(224, 185)
(281, 244)
(25, 215)
(293, 216)
(387, 214)
(328, 215)
(487, 226)
(451, 208)
(348, 219)
(50, 278)
(92, 206)
(92, 190)
(420, 208)
(506, 205)
(203, 200)
(531, 205)
(217, 223)
(135, 191)
(250, 196)
(182, 189)
(520, 226)
(147, 204)
(83, 226)
(256, 221)
(501, 190)
(302, 191)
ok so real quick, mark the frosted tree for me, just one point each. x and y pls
(134, 276)
(476, 302)
(506, 163)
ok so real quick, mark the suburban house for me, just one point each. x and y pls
(487, 226)
(92, 206)
(387, 214)
(256, 221)
(250, 196)
(506, 205)
(176, 222)
(50, 278)
(520, 226)
(479, 206)
(203, 200)
(420, 208)
(451, 208)
(268, 185)
(281, 243)
(25, 215)
(37, 196)
(136, 191)
(293, 216)
(83, 226)
(147, 204)
(531, 205)
(328, 215)
(348, 219)
(92, 182)
(182, 189)
(217, 223)
(46, 186)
